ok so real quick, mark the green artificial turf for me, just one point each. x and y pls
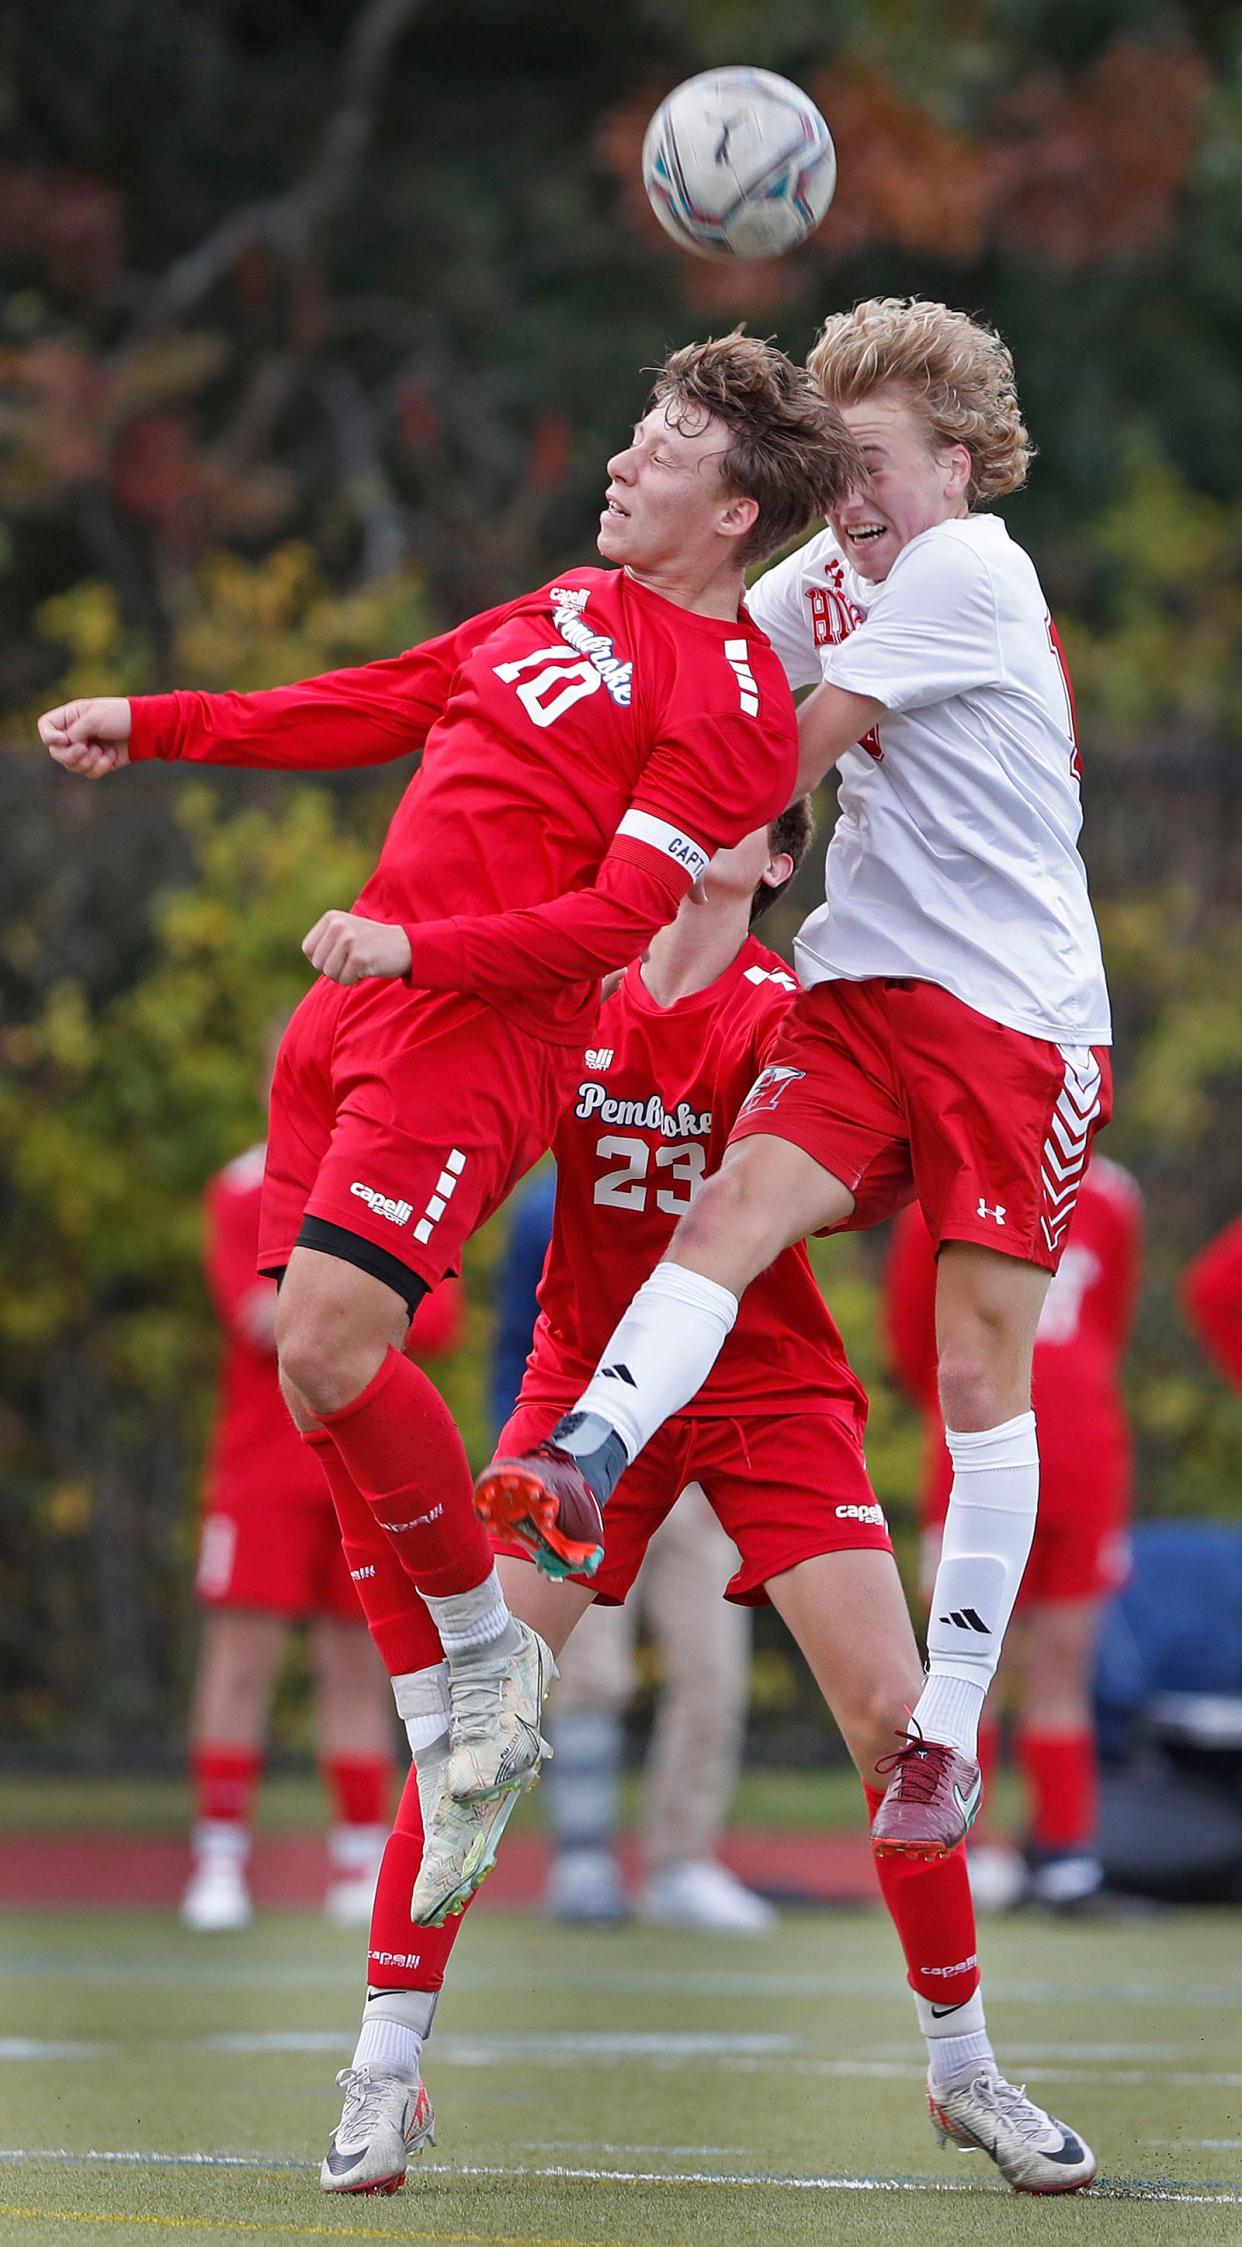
(688, 2090)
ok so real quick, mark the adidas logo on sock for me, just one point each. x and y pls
(967, 1619)
(618, 1373)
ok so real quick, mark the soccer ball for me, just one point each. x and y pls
(738, 163)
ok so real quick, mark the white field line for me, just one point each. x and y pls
(1119, 2188)
(733, 2054)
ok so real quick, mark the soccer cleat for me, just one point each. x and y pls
(585, 1886)
(931, 1803)
(385, 2119)
(1033, 2151)
(216, 1899)
(355, 1854)
(459, 1850)
(495, 1753)
(998, 1877)
(701, 1894)
(544, 1503)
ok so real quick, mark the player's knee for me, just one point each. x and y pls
(972, 1395)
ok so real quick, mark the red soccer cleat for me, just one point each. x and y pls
(931, 1803)
(544, 1502)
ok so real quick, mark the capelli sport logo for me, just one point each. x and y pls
(397, 1213)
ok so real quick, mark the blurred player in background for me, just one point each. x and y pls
(1079, 1557)
(1212, 1295)
(702, 1646)
(269, 1556)
(952, 1041)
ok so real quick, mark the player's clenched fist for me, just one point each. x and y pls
(348, 947)
(89, 738)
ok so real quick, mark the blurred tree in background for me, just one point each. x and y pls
(319, 320)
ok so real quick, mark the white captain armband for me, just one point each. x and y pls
(669, 841)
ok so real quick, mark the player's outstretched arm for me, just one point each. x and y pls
(90, 738)
(831, 721)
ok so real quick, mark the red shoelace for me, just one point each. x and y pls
(918, 1766)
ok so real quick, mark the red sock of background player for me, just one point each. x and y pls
(1062, 1773)
(403, 1453)
(405, 1964)
(930, 1907)
(361, 1790)
(222, 1790)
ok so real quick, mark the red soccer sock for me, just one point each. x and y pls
(1062, 1773)
(400, 1444)
(402, 1956)
(223, 1783)
(360, 1787)
(404, 1634)
(930, 1906)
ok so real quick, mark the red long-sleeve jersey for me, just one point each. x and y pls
(256, 1456)
(1212, 1297)
(586, 749)
(1084, 1436)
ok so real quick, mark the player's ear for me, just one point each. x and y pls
(778, 870)
(958, 468)
(738, 516)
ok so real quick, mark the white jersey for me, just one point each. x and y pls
(955, 855)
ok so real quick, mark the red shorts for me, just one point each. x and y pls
(406, 1117)
(279, 1560)
(784, 1488)
(901, 1091)
(1081, 1548)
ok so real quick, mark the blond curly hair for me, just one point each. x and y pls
(956, 372)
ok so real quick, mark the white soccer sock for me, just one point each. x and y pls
(395, 2025)
(422, 1698)
(958, 2045)
(466, 1620)
(661, 1353)
(987, 1539)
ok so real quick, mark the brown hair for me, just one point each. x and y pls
(789, 448)
(793, 832)
(955, 372)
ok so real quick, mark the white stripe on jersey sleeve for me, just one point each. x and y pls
(644, 827)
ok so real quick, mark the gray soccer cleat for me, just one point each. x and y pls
(1033, 2151)
(494, 1711)
(384, 2121)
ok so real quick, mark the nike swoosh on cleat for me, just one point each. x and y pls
(340, 2164)
(969, 1803)
(1071, 2149)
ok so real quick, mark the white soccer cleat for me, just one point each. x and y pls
(459, 1850)
(703, 1894)
(997, 1875)
(355, 1854)
(494, 1712)
(216, 1899)
(384, 2121)
(1033, 2151)
(585, 1887)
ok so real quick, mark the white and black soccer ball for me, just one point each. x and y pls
(739, 163)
